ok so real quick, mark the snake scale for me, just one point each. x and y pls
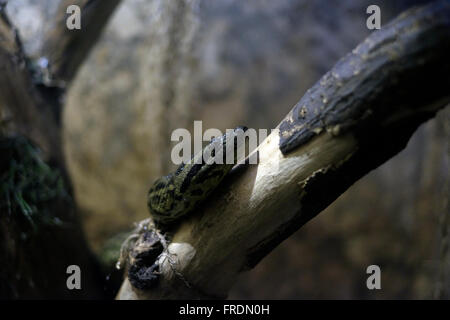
(175, 195)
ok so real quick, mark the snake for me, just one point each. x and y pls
(174, 196)
(170, 199)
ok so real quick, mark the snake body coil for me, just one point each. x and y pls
(173, 196)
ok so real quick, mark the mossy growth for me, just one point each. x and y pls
(110, 252)
(28, 185)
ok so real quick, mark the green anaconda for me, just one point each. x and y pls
(170, 199)
(175, 195)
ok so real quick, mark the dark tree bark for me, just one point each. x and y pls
(32, 114)
(37, 258)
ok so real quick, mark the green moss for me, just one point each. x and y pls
(110, 252)
(28, 186)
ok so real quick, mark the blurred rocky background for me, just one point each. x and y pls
(160, 65)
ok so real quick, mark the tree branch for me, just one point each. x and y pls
(356, 117)
(35, 105)
(66, 49)
(32, 114)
